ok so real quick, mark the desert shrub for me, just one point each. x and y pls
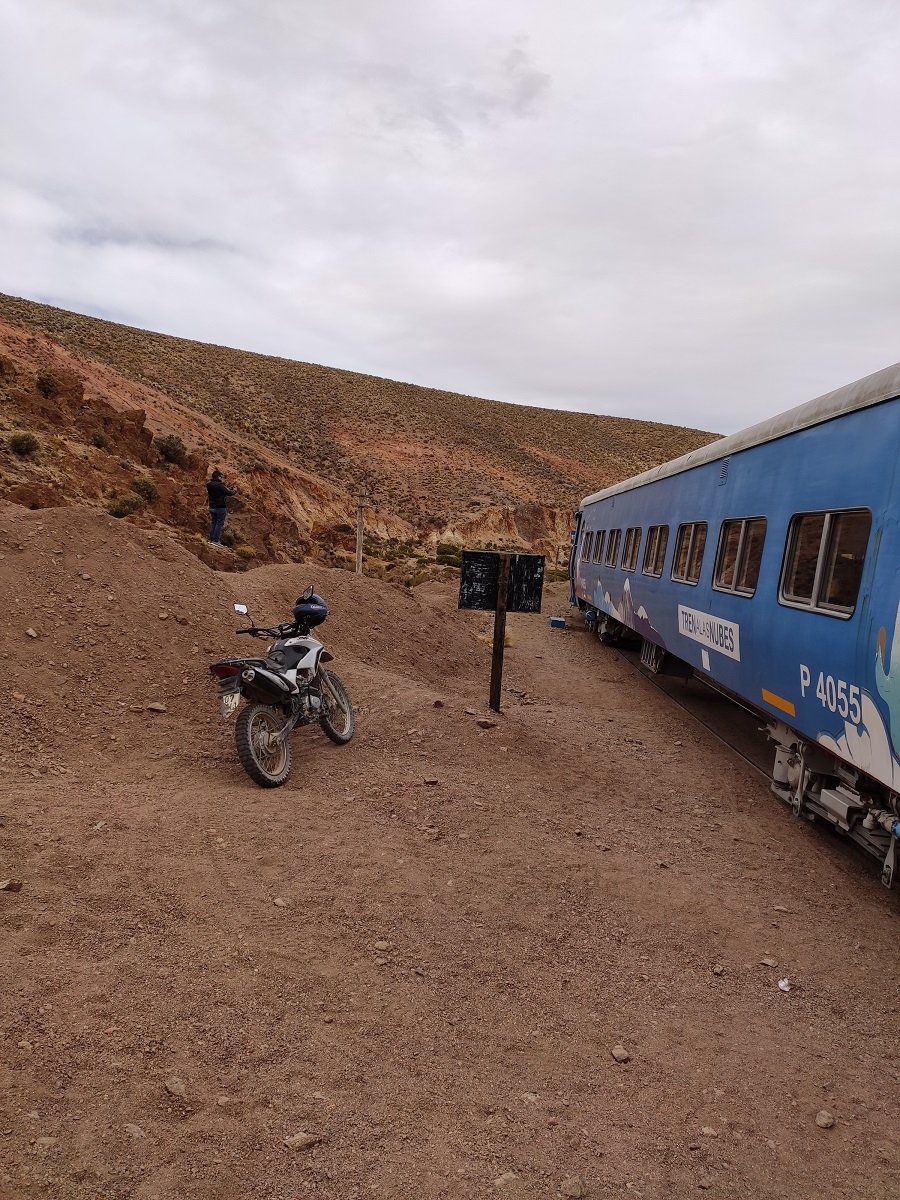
(47, 385)
(145, 488)
(171, 448)
(24, 444)
(124, 506)
(449, 560)
(227, 538)
(244, 551)
(99, 439)
(343, 528)
(447, 548)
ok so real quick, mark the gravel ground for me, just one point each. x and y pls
(411, 970)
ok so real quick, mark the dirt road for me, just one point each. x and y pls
(421, 952)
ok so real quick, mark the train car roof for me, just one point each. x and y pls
(874, 389)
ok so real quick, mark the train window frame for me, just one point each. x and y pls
(613, 542)
(653, 539)
(631, 548)
(599, 538)
(739, 565)
(691, 529)
(825, 562)
(586, 544)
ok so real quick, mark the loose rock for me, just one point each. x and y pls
(157, 707)
(134, 1131)
(824, 1119)
(30, 632)
(572, 1185)
(506, 1178)
(302, 1141)
(10, 885)
(708, 1131)
(768, 962)
(175, 1086)
(620, 1054)
(279, 903)
(484, 723)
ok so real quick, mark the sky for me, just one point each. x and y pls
(676, 210)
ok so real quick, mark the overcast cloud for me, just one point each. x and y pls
(680, 210)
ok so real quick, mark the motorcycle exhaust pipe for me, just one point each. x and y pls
(248, 675)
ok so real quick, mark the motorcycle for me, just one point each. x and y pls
(288, 687)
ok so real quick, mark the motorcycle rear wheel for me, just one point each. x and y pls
(337, 719)
(267, 765)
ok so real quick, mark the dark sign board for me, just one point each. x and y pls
(481, 570)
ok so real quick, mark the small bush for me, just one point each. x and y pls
(146, 489)
(171, 448)
(99, 439)
(244, 551)
(227, 538)
(342, 528)
(447, 548)
(449, 560)
(124, 506)
(24, 444)
(46, 384)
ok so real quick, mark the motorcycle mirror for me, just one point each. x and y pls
(308, 593)
(242, 609)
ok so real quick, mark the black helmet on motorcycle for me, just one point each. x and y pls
(310, 609)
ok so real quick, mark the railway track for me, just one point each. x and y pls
(740, 730)
(733, 724)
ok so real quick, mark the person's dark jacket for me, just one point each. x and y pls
(218, 492)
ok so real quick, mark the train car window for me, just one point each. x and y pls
(655, 553)
(598, 545)
(586, 546)
(848, 536)
(612, 547)
(689, 548)
(824, 562)
(739, 555)
(632, 546)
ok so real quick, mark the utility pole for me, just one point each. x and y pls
(360, 505)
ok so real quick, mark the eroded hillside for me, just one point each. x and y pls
(440, 468)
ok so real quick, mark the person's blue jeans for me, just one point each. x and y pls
(216, 523)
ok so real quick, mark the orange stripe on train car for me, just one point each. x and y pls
(785, 706)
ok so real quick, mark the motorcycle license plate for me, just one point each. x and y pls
(228, 704)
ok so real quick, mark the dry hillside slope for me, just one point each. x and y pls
(439, 467)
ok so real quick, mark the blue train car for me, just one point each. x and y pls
(769, 564)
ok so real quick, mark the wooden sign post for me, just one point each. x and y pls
(499, 633)
(504, 582)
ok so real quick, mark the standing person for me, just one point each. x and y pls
(218, 492)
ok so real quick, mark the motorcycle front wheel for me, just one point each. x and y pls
(266, 763)
(337, 719)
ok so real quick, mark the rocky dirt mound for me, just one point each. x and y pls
(103, 619)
